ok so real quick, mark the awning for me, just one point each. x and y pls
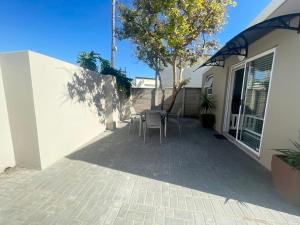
(240, 43)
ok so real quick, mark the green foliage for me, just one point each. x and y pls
(207, 104)
(149, 57)
(174, 29)
(123, 82)
(88, 60)
(291, 156)
(175, 32)
(94, 62)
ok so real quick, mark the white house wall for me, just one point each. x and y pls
(287, 7)
(277, 8)
(268, 11)
(282, 122)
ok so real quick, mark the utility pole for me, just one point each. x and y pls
(113, 35)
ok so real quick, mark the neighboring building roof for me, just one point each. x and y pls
(143, 82)
(188, 73)
(147, 78)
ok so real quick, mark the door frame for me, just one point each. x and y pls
(229, 91)
(230, 86)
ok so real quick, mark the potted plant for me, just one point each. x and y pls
(207, 118)
(286, 173)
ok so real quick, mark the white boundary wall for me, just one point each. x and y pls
(7, 157)
(45, 123)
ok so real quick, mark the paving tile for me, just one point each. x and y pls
(194, 180)
(172, 221)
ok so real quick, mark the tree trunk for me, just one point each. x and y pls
(180, 75)
(174, 77)
(155, 90)
(174, 99)
(162, 101)
(175, 90)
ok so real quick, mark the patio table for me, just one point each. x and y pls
(163, 114)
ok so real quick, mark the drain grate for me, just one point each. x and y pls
(220, 137)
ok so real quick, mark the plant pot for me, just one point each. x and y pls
(208, 120)
(286, 180)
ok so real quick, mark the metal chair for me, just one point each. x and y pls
(153, 121)
(177, 120)
(133, 117)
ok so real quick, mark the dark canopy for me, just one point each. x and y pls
(240, 43)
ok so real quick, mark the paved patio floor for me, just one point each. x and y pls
(189, 180)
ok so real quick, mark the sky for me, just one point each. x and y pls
(64, 28)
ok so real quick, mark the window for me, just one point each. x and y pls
(256, 88)
(209, 84)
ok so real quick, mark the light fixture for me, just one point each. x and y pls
(242, 55)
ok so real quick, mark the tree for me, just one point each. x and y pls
(88, 60)
(149, 57)
(178, 32)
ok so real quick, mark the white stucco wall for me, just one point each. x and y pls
(20, 106)
(282, 122)
(7, 157)
(46, 124)
(62, 125)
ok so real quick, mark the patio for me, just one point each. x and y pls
(193, 179)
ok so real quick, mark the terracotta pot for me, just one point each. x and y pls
(286, 180)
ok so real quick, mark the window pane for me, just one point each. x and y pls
(255, 98)
(209, 91)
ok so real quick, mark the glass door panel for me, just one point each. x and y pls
(238, 76)
(254, 101)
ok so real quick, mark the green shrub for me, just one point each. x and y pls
(207, 104)
(291, 156)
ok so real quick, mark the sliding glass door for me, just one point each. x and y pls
(254, 100)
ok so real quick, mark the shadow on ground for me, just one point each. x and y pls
(196, 160)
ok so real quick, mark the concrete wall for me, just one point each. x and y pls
(142, 98)
(46, 123)
(7, 157)
(188, 98)
(282, 121)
